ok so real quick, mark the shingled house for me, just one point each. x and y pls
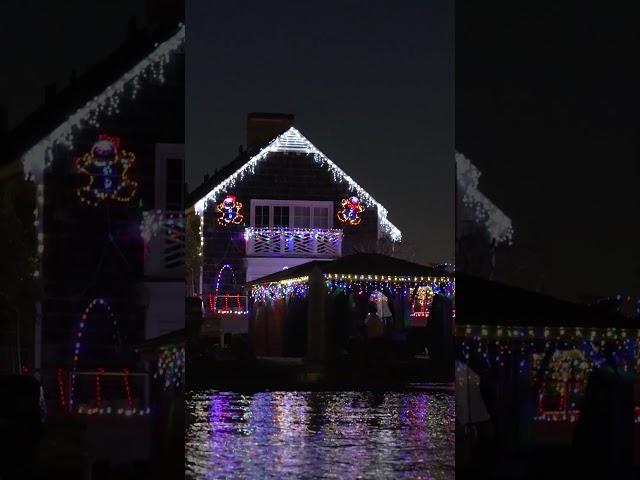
(105, 159)
(279, 204)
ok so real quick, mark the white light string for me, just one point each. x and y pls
(498, 225)
(293, 140)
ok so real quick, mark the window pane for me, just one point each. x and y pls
(281, 216)
(262, 216)
(320, 217)
(174, 169)
(302, 217)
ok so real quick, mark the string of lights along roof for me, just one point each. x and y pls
(498, 225)
(152, 67)
(40, 155)
(293, 141)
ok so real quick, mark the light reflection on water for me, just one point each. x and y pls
(320, 435)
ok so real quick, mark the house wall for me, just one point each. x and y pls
(94, 252)
(280, 176)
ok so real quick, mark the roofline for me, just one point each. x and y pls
(278, 144)
(38, 156)
(498, 224)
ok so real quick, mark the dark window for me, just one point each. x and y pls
(301, 217)
(281, 217)
(262, 216)
(175, 184)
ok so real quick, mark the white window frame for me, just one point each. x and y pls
(291, 203)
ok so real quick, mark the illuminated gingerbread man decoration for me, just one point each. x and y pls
(230, 211)
(106, 169)
(351, 210)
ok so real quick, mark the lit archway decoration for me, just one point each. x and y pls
(106, 168)
(213, 303)
(230, 211)
(95, 303)
(218, 277)
(351, 210)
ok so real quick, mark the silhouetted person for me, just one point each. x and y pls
(603, 439)
(375, 332)
(375, 326)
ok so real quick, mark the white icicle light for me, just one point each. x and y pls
(293, 141)
(39, 156)
(498, 225)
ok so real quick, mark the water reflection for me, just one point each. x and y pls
(320, 435)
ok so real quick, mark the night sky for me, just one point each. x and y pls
(44, 41)
(370, 83)
(544, 108)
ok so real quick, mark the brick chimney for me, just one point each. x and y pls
(264, 127)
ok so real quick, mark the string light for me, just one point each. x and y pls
(230, 211)
(264, 292)
(78, 341)
(127, 387)
(218, 278)
(498, 225)
(170, 366)
(106, 170)
(99, 388)
(153, 221)
(575, 353)
(320, 242)
(293, 140)
(556, 332)
(351, 210)
(40, 155)
(61, 395)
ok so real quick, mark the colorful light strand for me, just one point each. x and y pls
(107, 170)
(230, 211)
(127, 387)
(79, 333)
(282, 289)
(170, 366)
(351, 210)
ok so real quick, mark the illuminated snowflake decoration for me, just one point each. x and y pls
(106, 171)
(351, 210)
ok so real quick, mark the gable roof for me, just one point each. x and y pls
(291, 141)
(498, 225)
(35, 152)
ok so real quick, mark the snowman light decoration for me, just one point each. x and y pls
(230, 211)
(106, 171)
(351, 210)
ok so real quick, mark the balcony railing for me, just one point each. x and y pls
(163, 233)
(293, 242)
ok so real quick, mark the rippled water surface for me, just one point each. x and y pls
(320, 435)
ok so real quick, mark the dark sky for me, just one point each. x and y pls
(43, 41)
(546, 108)
(370, 83)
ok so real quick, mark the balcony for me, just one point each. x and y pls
(293, 242)
(163, 234)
